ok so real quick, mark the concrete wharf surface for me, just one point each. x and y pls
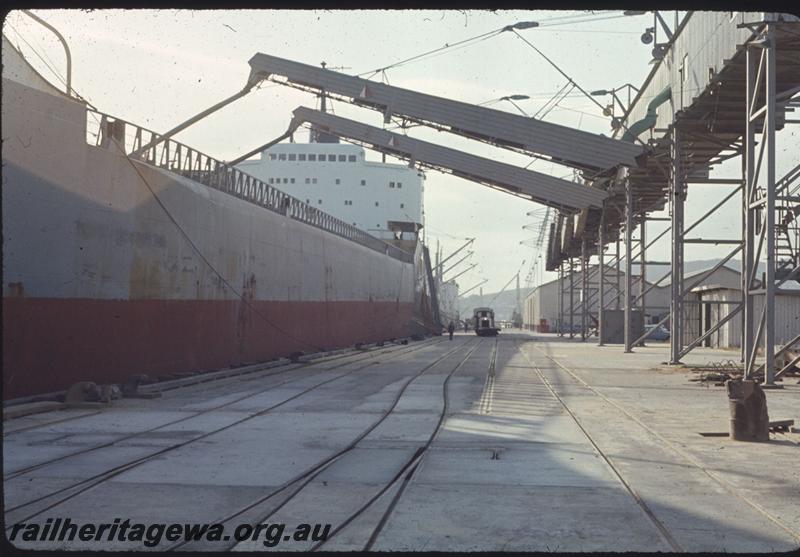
(545, 445)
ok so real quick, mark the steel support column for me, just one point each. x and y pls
(643, 267)
(760, 198)
(602, 286)
(618, 300)
(584, 288)
(628, 265)
(677, 197)
(561, 302)
(571, 297)
(769, 221)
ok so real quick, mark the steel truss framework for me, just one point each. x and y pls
(770, 211)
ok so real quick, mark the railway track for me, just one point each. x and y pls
(409, 476)
(299, 482)
(688, 458)
(91, 482)
(663, 531)
(212, 384)
(251, 394)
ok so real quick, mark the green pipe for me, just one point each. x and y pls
(649, 120)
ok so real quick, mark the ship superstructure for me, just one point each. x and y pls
(381, 198)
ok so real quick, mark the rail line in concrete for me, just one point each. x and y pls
(287, 369)
(97, 479)
(301, 480)
(410, 475)
(215, 382)
(683, 454)
(663, 531)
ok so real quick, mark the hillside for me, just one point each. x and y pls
(504, 304)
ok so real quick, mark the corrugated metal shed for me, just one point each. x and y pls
(569, 146)
(539, 187)
(787, 315)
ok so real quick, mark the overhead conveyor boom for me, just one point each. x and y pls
(568, 146)
(542, 188)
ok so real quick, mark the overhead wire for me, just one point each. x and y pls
(477, 38)
(549, 22)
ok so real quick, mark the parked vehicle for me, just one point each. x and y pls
(656, 332)
(576, 328)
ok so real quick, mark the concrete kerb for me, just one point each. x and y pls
(40, 403)
(253, 368)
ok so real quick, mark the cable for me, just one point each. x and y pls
(418, 56)
(33, 49)
(587, 95)
(542, 54)
(49, 66)
(561, 20)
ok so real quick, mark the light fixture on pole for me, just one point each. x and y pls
(650, 34)
(512, 98)
(521, 25)
(509, 98)
(610, 110)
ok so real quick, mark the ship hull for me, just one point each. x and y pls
(113, 268)
(50, 344)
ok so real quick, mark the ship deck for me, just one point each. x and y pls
(519, 443)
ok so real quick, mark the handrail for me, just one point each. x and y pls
(185, 161)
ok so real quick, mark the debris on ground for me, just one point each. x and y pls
(717, 372)
(782, 426)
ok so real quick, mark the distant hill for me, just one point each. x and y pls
(504, 304)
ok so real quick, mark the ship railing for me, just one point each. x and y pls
(104, 130)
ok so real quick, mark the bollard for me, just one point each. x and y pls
(83, 391)
(748, 406)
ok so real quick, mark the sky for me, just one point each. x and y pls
(157, 68)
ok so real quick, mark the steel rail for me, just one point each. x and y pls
(684, 454)
(308, 475)
(115, 471)
(410, 466)
(639, 501)
(210, 383)
(253, 376)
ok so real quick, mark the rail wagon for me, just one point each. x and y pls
(483, 318)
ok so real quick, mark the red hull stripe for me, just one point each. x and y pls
(51, 343)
